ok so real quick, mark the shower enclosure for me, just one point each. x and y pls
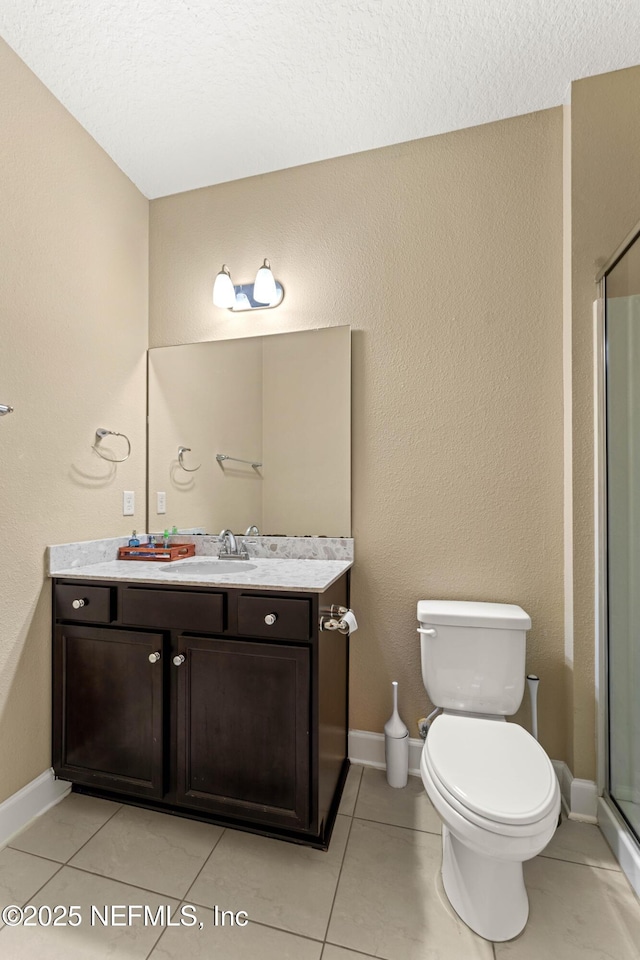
(619, 481)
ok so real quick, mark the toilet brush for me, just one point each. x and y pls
(532, 683)
(396, 745)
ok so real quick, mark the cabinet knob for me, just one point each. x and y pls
(76, 604)
(154, 657)
(270, 619)
(178, 660)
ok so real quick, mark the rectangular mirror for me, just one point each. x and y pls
(277, 409)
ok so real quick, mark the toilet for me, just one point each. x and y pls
(490, 781)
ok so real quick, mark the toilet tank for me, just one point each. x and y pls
(475, 660)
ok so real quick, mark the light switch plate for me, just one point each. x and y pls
(128, 503)
(161, 499)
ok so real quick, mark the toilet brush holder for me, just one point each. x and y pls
(396, 745)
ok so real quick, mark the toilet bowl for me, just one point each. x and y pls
(498, 797)
(490, 781)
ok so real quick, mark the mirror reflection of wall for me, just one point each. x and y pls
(283, 400)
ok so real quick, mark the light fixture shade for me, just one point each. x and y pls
(264, 290)
(224, 294)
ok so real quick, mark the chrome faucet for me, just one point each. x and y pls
(229, 548)
(229, 542)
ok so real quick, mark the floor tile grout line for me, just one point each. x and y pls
(125, 883)
(158, 939)
(114, 814)
(335, 892)
(93, 873)
(356, 953)
(39, 856)
(32, 896)
(355, 802)
(261, 923)
(206, 861)
(401, 826)
(545, 856)
(96, 832)
(581, 863)
(82, 846)
(156, 942)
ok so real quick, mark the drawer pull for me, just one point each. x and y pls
(179, 660)
(270, 619)
(154, 657)
(79, 603)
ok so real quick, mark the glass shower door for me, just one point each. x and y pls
(622, 337)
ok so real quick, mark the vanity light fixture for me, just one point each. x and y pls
(224, 294)
(264, 289)
(265, 292)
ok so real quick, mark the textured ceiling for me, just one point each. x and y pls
(186, 93)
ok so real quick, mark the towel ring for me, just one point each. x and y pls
(181, 452)
(101, 433)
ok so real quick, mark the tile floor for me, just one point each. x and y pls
(375, 893)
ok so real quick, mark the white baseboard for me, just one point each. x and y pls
(625, 850)
(36, 797)
(580, 797)
(368, 749)
(584, 801)
(564, 779)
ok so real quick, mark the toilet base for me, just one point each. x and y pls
(487, 893)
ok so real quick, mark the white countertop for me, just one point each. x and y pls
(272, 574)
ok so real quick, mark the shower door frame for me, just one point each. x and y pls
(612, 822)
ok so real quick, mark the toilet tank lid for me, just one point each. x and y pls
(470, 613)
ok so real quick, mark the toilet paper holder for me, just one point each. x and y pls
(332, 618)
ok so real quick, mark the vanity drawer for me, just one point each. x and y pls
(93, 604)
(173, 609)
(292, 617)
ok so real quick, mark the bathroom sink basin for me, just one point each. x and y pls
(213, 567)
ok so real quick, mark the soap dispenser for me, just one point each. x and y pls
(396, 745)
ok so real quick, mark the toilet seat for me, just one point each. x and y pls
(495, 774)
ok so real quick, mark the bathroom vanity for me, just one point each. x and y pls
(201, 696)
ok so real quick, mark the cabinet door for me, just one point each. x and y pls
(108, 722)
(243, 729)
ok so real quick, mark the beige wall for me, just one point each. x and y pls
(73, 331)
(605, 200)
(445, 256)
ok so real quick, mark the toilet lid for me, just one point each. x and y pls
(495, 769)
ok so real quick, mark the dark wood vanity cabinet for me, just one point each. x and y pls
(243, 729)
(225, 705)
(109, 708)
